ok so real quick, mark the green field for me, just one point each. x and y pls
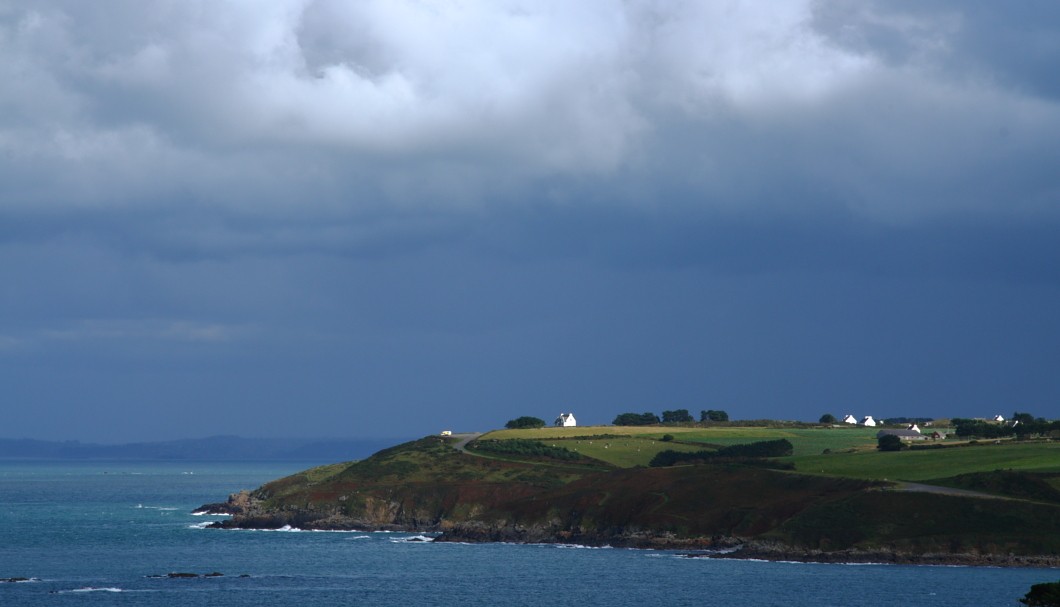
(620, 446)
(936, 463)
(639, 443)
(853, 453)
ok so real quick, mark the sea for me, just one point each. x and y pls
(109, 533)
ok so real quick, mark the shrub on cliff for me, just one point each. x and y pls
(523, 447)
(1043, 595)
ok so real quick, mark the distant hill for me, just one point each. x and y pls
(198, 449)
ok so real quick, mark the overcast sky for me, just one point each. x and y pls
(393, 217)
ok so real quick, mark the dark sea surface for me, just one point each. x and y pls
(92, 533)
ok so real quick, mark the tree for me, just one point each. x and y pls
(710, 415)
(1023, 418)
(889, 442)
(525, 422)
(827, 418)
(677, 416)
(982, 429)
(1043, 595)
(636, 419)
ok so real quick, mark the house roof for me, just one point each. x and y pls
(898, 433)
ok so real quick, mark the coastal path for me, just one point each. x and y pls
(465, 438)
(922, 488)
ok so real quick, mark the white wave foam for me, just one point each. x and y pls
(290, 529)
(581, 547)
(202, 525)
(415, 539)
(91, 589)
(209, 513)
(359, 537)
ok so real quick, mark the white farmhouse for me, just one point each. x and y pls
(914, 428)
(907, 435)
(999, 418)
(850, 419)
(566, 420)
(868, 421)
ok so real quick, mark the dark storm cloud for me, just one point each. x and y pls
(1015, 46)
(466, 212)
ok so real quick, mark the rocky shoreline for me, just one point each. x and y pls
(741, 549)
(246, 516)
(779, 553)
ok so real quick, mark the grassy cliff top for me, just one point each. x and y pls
(852, 450)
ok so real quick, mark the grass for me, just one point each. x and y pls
(634, 443)
(853, 453)
(321, 473)
(935, 463)
(624, 452)
(807, 441)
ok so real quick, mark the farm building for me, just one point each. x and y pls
(867, 421)
(902, 434)
(566, 420)
(850, 419)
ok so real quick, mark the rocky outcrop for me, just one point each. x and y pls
(773, 551)
(250, 511)
(556, 533)
(237, 504)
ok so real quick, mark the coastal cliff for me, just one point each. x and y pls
(742, 511)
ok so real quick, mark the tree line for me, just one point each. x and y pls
(676, 416)
(771, 448)
(1020, 425)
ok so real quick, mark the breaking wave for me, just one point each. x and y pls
(412, 539)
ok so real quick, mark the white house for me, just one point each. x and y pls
(850, 419)
(999, 418)
(566, 419)
(868, 421)
(902, 434)
(914, 428)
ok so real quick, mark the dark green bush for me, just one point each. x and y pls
(1043, 595)
(770, 448)
(889, 442)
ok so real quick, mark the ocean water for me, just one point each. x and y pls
(94, 534)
